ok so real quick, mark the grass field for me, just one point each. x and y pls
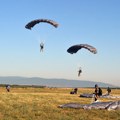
(42, 104)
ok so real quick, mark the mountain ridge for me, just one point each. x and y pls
(50, 82)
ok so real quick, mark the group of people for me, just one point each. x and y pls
(98, 92)
(74, 91)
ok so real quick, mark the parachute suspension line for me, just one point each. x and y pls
(32, 23)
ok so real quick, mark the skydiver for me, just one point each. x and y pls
(79, 72)
(41, 47)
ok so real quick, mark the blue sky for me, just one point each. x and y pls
(95, 22)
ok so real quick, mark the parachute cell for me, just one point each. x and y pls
(75, 48)
(34, 22)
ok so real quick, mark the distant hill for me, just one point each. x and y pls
(13, 80)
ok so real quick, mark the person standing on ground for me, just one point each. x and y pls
(8, 88)
(98, 92)
(108, 90)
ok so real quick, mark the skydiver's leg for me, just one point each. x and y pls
(41, 48)
(96, 97)
(79, 74)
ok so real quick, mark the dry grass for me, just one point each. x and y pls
(42, 104)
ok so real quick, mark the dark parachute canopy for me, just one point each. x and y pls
(75, 48)
(34, 22)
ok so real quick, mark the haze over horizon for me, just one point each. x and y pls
(89, 21)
